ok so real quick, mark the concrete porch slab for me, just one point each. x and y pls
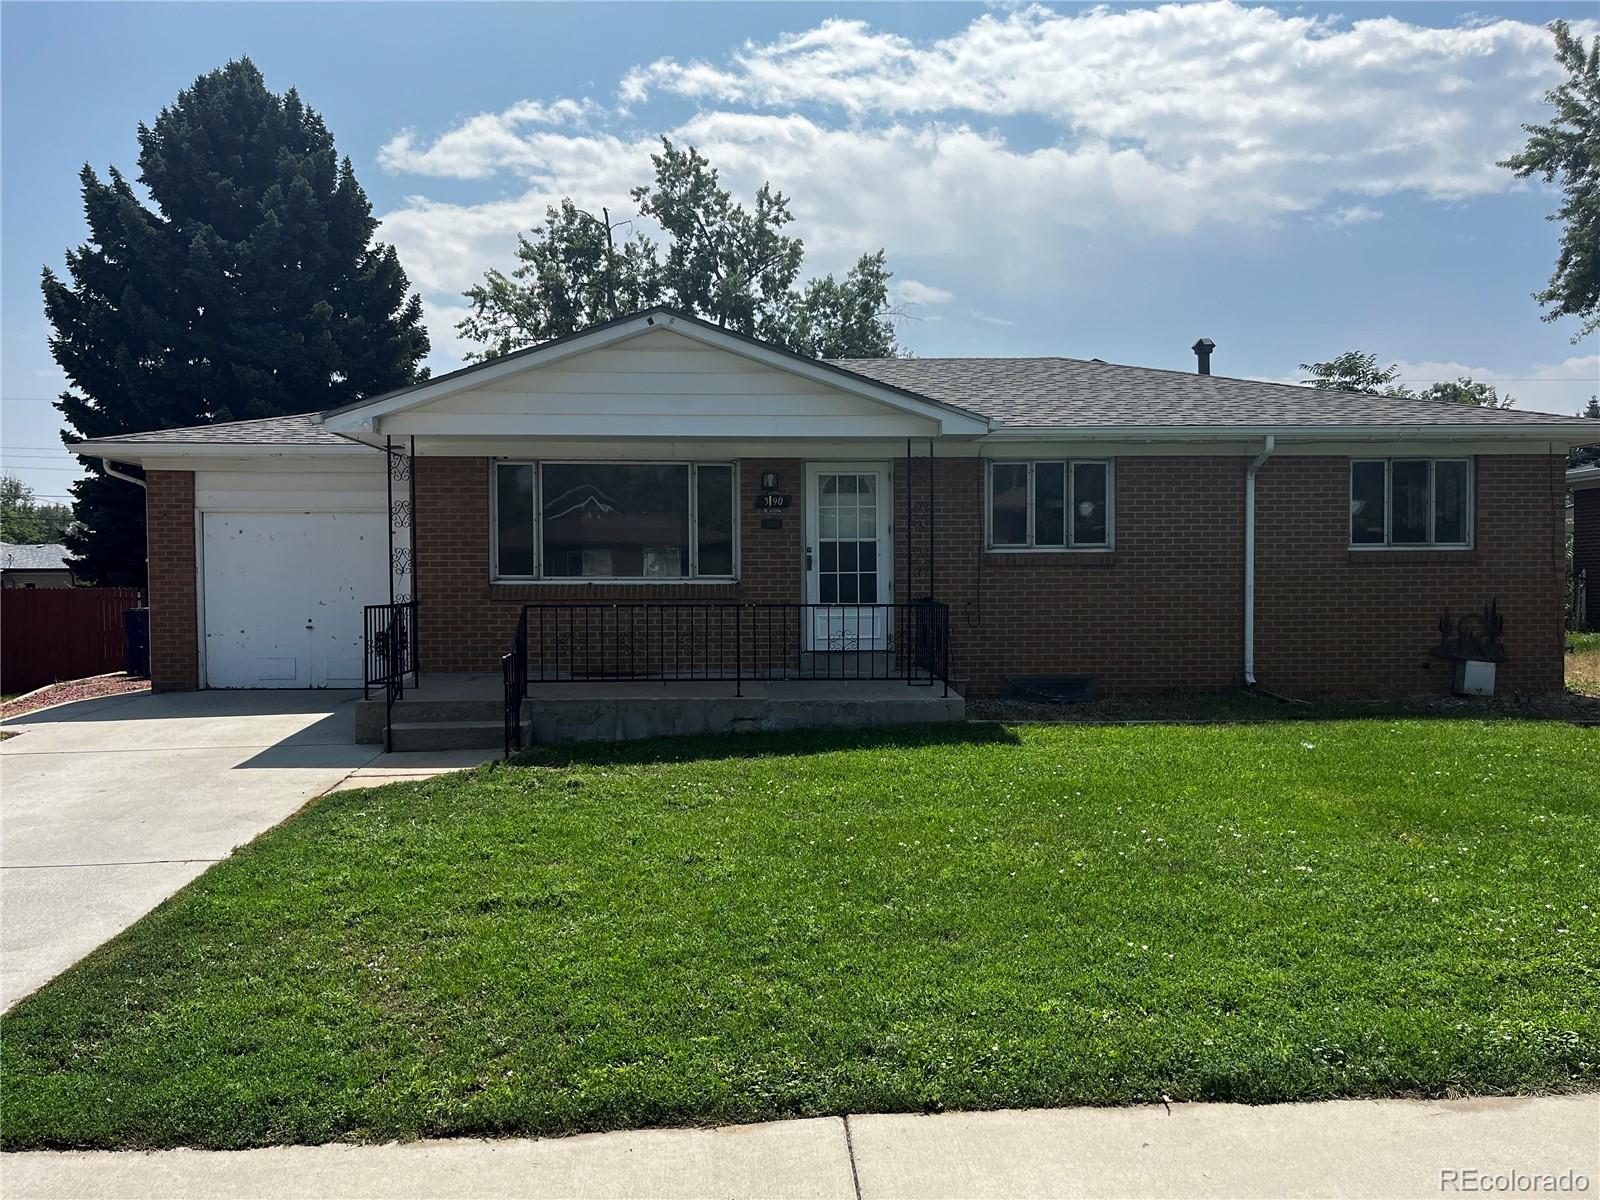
(597, 711)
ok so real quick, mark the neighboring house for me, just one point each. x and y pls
(34, 566)
(1584, 483)
(1142, 529)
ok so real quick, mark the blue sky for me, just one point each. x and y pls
(1291, 181)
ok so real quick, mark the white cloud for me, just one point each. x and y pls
(1563, 387)
(483, 144)
(448, 348)
(1156, 123)
(949, 191)
(914, 291)
(1355, 214)
(991, 320)
(1379, 106)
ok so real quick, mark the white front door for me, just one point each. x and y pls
(849, 562)
(284, 593)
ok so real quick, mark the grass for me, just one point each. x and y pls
(744, 928)
(1583, 663)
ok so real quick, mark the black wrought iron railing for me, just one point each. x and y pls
(389, 655)
(514, 675)
(665, 641)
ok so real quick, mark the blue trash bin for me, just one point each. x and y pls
(136, 628)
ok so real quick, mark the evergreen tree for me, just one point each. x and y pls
(252, 288)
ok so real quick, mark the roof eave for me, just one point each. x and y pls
(135, 451)
(1550, 431)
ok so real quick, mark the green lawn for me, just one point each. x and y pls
(761, 926)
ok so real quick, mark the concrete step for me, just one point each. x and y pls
(370, 714)
(448, 735)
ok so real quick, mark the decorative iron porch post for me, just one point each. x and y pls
(401, 478)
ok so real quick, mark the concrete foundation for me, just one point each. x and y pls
(458, 711)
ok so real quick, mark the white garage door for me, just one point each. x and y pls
(284, 593)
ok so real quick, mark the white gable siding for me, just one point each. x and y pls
(659, 384)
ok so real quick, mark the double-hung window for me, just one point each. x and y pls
(1411, 502)
(643, 522)
(1054, 505)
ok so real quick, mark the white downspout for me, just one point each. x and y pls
(116, 474)
(1250, 559)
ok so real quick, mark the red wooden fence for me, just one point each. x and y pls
(48, 634)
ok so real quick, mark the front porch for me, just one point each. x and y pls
(467, 709)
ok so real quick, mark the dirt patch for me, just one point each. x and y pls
(1583, 671)
(75, 689)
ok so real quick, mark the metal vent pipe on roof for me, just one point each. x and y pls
(1202, 351)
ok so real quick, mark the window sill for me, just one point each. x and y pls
(1410, 554)
(1099, 556)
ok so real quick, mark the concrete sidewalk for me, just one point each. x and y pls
(1353, 1148)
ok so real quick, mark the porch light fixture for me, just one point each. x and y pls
(769, 481)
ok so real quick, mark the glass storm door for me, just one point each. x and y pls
(848, 557)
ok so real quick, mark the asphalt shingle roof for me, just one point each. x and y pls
(49, 557)
(1033, 393)
(285, 431)
(1057, 392)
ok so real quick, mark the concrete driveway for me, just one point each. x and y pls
(109, 806)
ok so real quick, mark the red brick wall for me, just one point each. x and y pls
(173, 587)
(1163, 611)
(1332, 619)
(1586, 545)
(466, 622)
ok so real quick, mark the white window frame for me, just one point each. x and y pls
(1388, 543)
(540, 578)
(1067, 464)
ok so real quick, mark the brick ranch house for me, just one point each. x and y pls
(1137, 530)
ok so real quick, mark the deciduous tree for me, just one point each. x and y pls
(1568, 147)
(24, 521)
(726, 263)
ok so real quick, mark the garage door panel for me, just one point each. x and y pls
(283, 596)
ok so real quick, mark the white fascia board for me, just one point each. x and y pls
(1560, 432)
(139, 452)
(1582, 478)
(366, 420)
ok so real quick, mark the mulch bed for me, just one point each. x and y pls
(74, 689)
(1260, 706)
